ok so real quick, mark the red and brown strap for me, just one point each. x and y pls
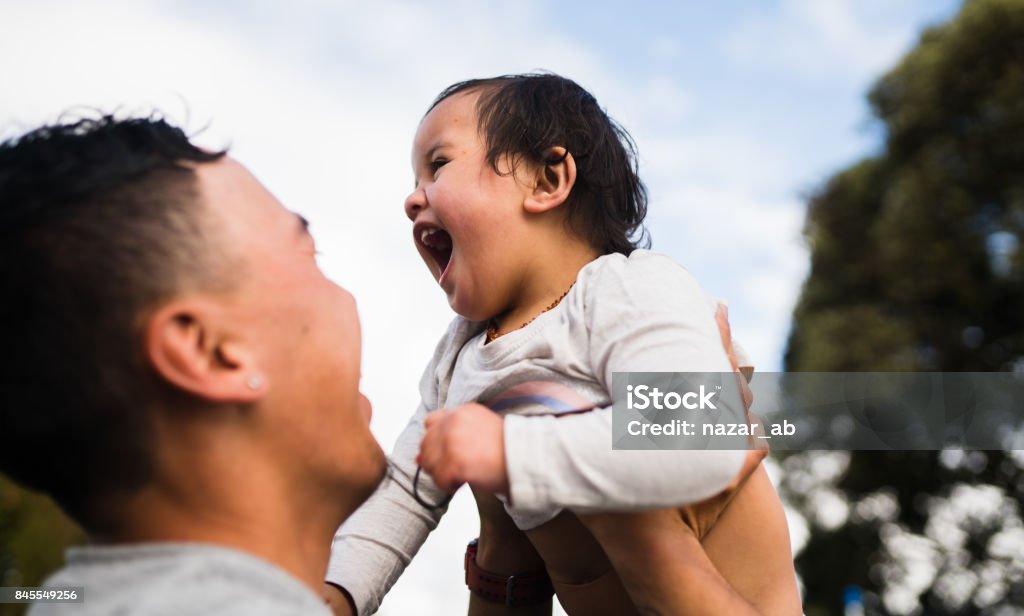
(510, 590)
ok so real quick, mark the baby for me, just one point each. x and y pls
(526, 210)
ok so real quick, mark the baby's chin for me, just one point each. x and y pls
(471, 311)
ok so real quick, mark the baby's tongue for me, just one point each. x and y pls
(441, 248)
(443, 240)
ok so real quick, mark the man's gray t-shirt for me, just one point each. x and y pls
(177, 579)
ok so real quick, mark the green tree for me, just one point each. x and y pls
(33, 536)
(916, 264)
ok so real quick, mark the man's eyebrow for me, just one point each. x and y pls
(303, 223)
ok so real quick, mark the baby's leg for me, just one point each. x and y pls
(504, 550)
(583, 577)
(748, 546)
(653, 555)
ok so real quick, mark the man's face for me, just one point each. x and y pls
(302, 330)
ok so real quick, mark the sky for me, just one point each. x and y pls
(739, 110)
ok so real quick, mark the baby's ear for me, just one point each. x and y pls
(553, 181)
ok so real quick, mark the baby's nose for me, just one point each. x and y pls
(416, 201)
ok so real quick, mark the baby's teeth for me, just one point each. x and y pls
(425, 234)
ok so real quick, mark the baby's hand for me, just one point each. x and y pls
(465, 445)
(339, 602)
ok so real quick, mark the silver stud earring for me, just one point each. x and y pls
(254, 381)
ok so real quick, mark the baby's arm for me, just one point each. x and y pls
(375, 545)
(514, 456)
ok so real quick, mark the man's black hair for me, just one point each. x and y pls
(100, 220)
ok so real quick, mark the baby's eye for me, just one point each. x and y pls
(437, 163)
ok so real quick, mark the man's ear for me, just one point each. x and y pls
(553, 183)
(189, 349)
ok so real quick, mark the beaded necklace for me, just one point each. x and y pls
(492, 326)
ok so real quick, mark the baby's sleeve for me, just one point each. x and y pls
(377, 542)
(644, 313)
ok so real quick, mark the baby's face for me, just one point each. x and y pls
(469, 224)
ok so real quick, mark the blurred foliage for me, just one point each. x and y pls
(34, 533)
(917, 264)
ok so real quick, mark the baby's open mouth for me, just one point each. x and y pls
(438, 244)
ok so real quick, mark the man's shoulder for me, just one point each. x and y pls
(158, 579)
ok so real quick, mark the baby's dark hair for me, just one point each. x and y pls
(525, 116)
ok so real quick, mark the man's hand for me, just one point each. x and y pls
(338, 601)
(743, 375)
(725, 332)
(465, 445)
(701, 517)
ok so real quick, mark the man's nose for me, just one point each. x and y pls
(416, 201)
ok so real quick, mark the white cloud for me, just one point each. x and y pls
(743, 247)
(722, 159)
(831, 39)
(664, 48)
(662, 97)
